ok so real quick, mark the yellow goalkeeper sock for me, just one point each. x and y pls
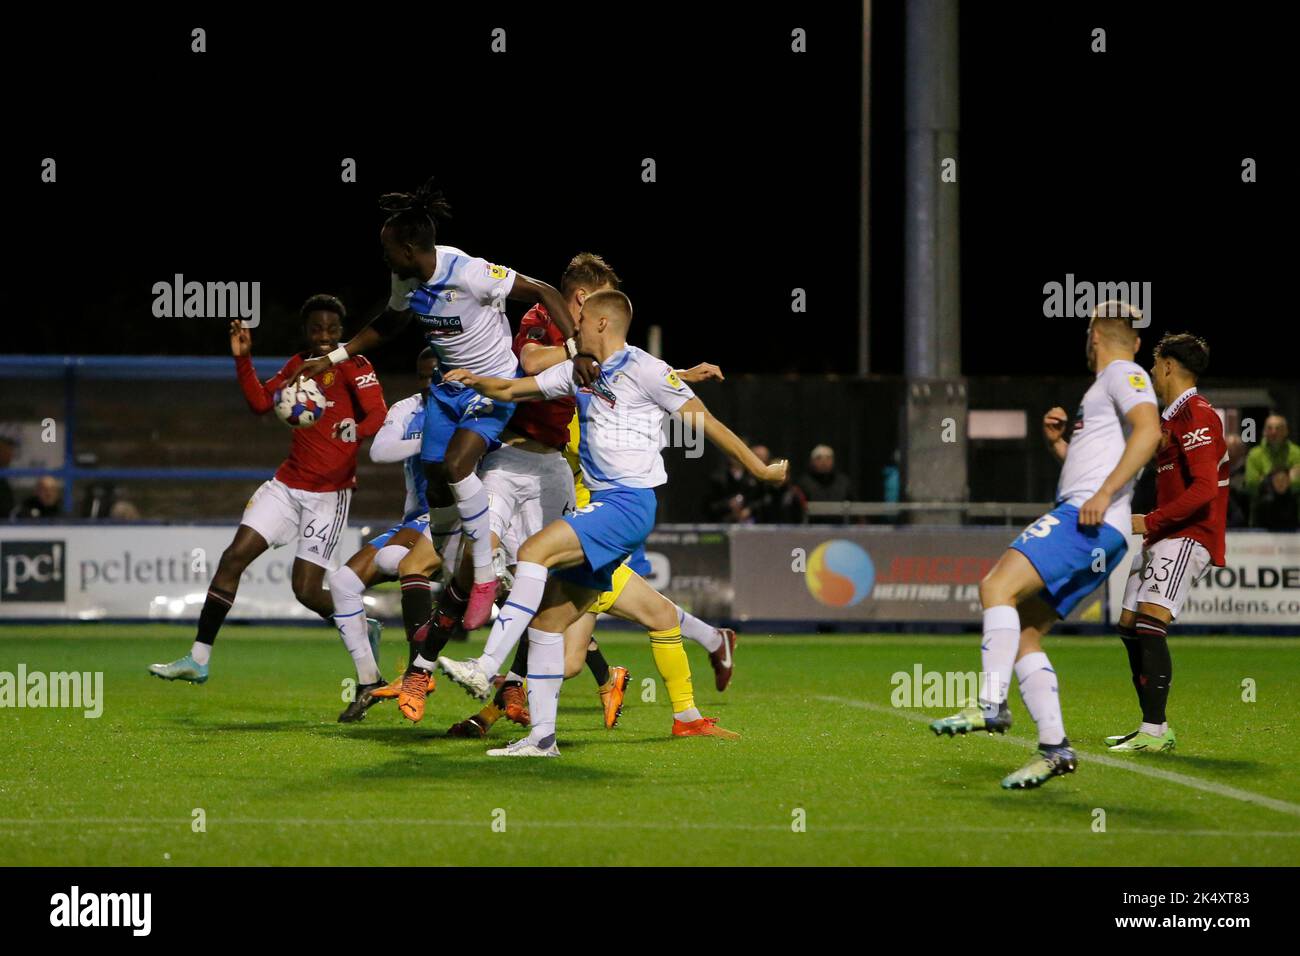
(674, 668)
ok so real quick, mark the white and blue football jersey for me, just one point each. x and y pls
(1100, 432)
(462, 311)
(399, 440)
(621, 417)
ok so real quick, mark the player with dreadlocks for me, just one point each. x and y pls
(459, 300)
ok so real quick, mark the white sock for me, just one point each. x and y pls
(346, 590)
(1039, 692)
(389, 557)
(513, 678)
(516, 613)
(545, 678)
(998, 655)
(202, 653)
(689, 714)
(1155, 730)
(706, 635)
(475, 525)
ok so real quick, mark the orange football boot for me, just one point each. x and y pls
(704, 727)
(416, 686)
(513, 699)
(388, 691)
(611, 694)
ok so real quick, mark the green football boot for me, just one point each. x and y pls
(972, 718)
(187, 669)
(1138, 740)
(1049, 762)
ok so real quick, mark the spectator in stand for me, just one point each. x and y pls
(821, 482)
(1238, 499)
(781, 505)
(732, 493)
(1274, 452)
(47, 502)
(123, 510)
(1277, 506)
(7, 446)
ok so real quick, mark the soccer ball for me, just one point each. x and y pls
(300, 404)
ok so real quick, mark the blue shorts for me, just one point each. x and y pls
(639, 562)
(1072, 561)
(447, 408)
(416, 522)
(613, 526)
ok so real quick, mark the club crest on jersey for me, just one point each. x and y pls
(327, 379)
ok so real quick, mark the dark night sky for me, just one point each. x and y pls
(225, 166)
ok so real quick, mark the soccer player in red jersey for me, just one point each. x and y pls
(307, 500)
(1183, 535)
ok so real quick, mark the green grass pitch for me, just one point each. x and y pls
(258, 750)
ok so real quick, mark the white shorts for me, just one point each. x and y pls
(1164, 574)
(315, 519)
(526, 492)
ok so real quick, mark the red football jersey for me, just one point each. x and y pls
(546, 422)
(323, 456)
(1191, 476)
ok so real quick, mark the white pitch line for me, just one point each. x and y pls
(1169, 776)
(140, 823)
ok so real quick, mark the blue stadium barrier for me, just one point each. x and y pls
(73, 368)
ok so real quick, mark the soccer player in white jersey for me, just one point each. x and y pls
(1067, 553)
(459, 300)
(398, 440)
(621, 417)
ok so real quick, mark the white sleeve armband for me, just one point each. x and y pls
(340, 354)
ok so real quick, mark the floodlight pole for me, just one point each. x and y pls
(864, 202)
(934, 429)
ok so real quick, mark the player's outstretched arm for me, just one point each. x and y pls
(534, 291)
(535, 359)
(390, 446)
(1141, 445)
(701, 373)
(379, 330)
(497, 389)
(585, 368)
(260, 397)
(694, 412)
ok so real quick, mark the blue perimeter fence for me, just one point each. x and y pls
(72, 368)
